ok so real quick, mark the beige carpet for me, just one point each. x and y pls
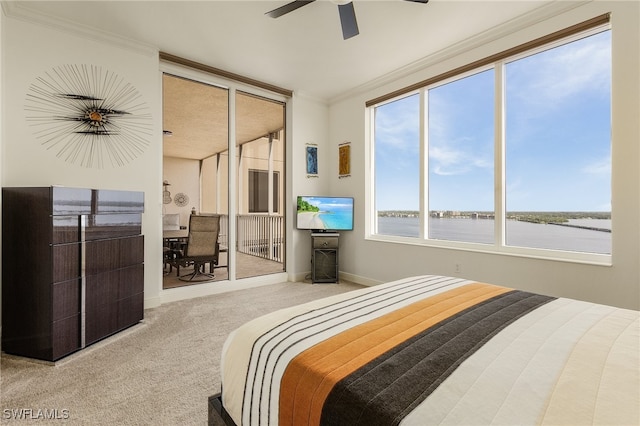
(159, 372)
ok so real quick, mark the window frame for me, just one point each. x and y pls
(251, 190)
(498, 63)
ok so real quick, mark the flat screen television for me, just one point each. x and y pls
(325, 214)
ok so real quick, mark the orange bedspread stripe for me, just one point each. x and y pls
(312, 374)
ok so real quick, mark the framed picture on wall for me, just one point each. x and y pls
(311, 154)
(344, 159)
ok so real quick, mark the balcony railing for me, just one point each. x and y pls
(258, 235)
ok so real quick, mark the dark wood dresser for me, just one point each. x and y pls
(72, 268)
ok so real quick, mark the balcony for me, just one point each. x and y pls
(260, 248)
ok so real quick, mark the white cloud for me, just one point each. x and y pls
(548, 79)
(447, 160)
(397, 124)
(599, 167)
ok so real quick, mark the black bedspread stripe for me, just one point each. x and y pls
(385, 390)
(366, 303)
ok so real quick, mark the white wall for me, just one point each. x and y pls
(373, 261)
(29, 50)
(32, 46)
(184, 177)
(310, 124)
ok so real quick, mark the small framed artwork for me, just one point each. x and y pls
(311, 153)
(344, 160)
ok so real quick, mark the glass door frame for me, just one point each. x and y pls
(233, 87)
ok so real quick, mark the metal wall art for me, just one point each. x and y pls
(89, 116)
(181, 199)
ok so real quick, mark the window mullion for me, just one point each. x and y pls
(424, 165)
(232, 185)
(499, 157)
(371, 226)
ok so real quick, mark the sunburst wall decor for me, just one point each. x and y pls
(181, 199)
(89, 116)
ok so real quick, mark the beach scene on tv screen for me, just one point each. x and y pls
(330, 213)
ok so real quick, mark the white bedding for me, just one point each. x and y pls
(561, 361)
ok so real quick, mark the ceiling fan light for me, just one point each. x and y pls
(340, 2)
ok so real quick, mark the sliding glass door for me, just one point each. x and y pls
(260, 164)
(198, 176)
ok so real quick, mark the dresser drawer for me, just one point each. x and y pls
(66, 229)
(116, 253)
(66, 262)
(103, 226)
(70, 201)
(66, 299)
(325, 242)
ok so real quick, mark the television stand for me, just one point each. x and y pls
(324, 260)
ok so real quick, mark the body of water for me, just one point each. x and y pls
(339, 217)
(521, 234)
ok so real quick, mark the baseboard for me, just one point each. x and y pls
(206, 289)
(218, 287)
(152, 302)
(299, 277)
(357, 279)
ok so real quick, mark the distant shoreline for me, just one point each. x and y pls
(577, 238)
(526, 216)
(591, 228)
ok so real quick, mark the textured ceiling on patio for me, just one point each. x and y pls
(197, 116)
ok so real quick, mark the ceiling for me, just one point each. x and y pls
(301, 51)
(197, 116)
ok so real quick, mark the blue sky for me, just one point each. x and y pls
(557, 137)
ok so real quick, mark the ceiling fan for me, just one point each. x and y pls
(345, 8)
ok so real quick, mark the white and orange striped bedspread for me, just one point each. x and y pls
(435, 350)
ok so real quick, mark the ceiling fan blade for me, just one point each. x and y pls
(289, 7)
(419, 1)
(348, 20)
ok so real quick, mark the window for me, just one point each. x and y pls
(259, 191)
(397, 157)
(518, 151)
(558, 147)
(460, 139)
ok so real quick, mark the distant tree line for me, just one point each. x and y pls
(526, 216)
(556, 217)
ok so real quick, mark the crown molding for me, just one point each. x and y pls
(20, 10)
(543, 13)
(312, 98)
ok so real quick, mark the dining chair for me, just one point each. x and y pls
(202, 248)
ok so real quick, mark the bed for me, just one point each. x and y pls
(433, 350)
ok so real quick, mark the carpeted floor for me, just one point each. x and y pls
(159, 372)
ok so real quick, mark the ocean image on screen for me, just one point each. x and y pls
(329, 213)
